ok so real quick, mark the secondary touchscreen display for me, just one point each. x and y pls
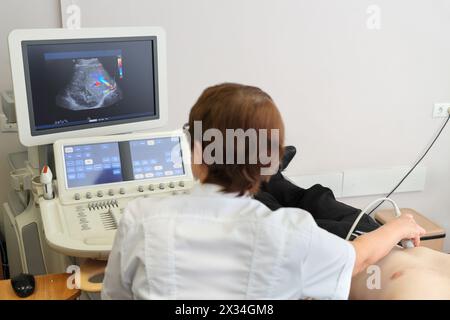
(92, 164)
(156, 158)
(101, 163)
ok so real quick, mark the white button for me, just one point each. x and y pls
(151, 187)
(122, 191)
(100, 194)
(77, 196)
(161, 186)
(171, 185)
(111, 192)
(88, 195)
(141, 189)
(181, 184)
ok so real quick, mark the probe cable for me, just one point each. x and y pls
(405, 243)
(414, 167)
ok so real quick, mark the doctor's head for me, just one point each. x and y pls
(237, 137)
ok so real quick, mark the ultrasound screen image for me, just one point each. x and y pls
(91, 87)
(77, 84)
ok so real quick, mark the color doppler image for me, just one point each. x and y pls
(91, 87)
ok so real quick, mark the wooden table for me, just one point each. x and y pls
(48, 287)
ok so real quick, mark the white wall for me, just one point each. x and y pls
(350, 97)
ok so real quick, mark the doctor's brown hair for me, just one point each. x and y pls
(235, 106)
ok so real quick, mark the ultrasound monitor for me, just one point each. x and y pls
(87, 82)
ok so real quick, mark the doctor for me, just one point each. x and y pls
(219, 243)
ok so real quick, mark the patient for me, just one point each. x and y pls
(406, 274)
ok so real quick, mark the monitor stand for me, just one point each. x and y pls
(33, 158)
(38, 156)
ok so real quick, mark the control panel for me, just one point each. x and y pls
(97, 177)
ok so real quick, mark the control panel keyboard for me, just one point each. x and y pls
(87, 228)
(140, 189)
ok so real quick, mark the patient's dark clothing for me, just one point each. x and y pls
(330, 214)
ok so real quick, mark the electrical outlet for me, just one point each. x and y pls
(441, 110)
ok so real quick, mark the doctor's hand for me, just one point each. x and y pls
(408, 228)
(373, 246)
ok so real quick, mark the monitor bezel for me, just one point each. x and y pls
(36, 132)
(18, 38)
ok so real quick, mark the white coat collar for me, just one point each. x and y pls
(209, 189)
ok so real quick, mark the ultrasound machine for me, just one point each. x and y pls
(87, 102)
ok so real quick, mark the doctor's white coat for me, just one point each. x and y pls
(213, 245)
